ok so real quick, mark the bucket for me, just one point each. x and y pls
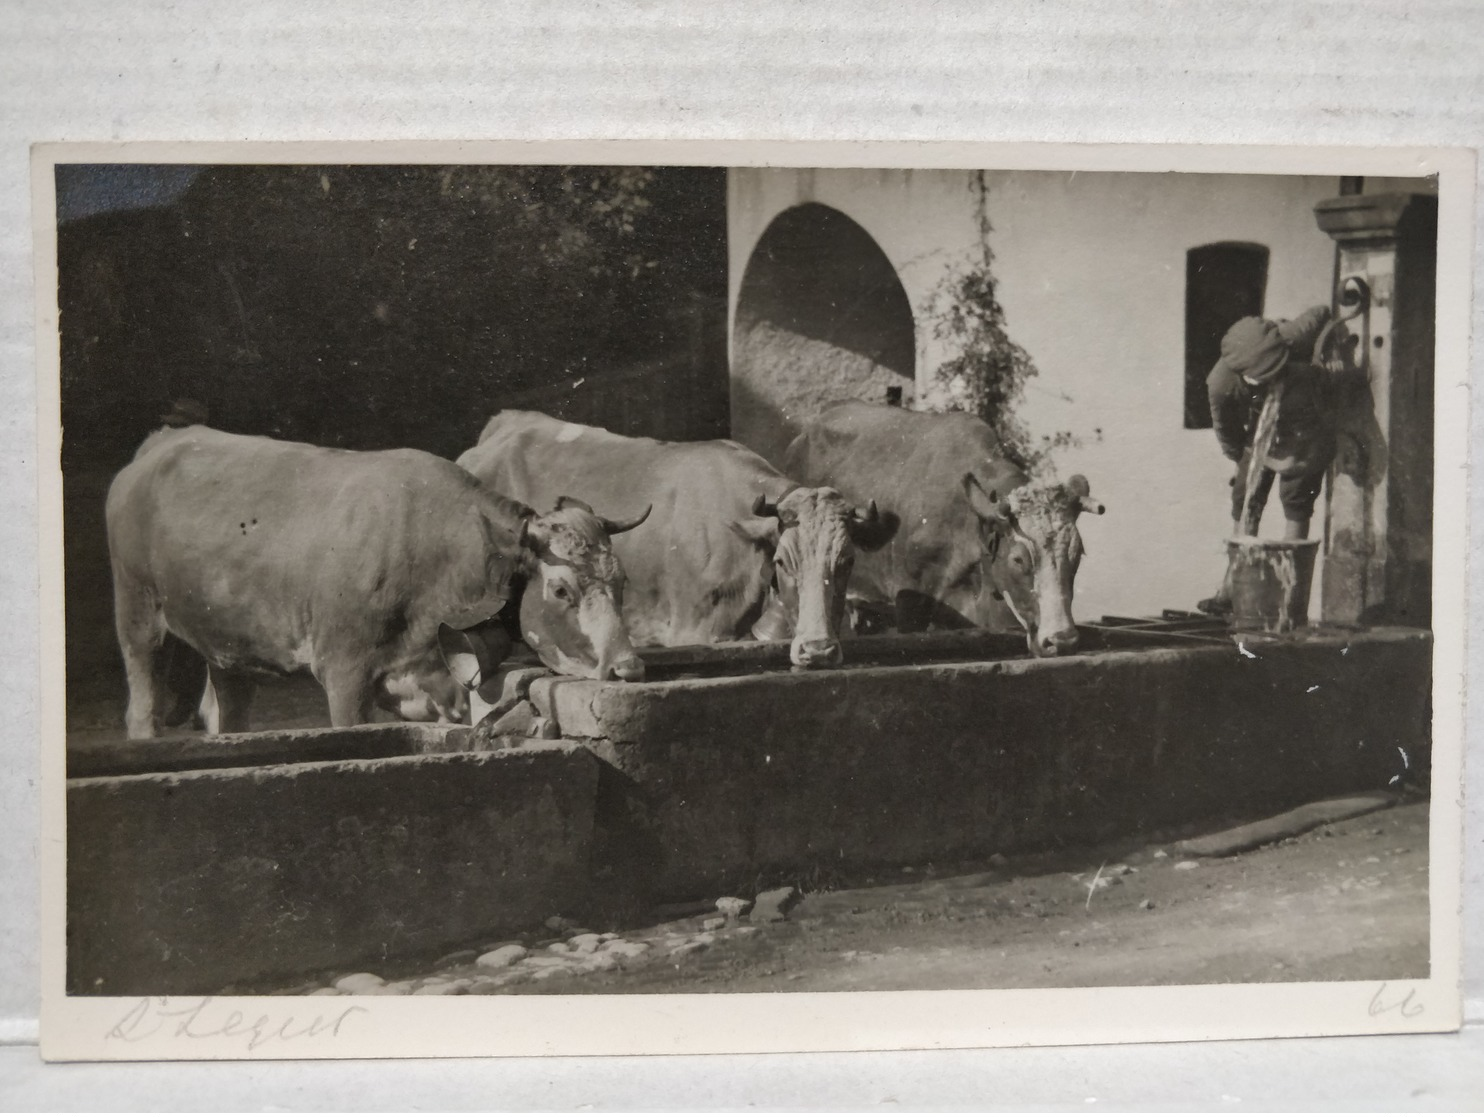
(1269, 582)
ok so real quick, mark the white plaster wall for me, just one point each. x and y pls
(1091, 271)
(1092, 279)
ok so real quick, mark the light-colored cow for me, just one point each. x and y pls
(733, 548)
(268, 557)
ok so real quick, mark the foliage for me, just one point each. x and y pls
(369, 306)
(584, 218)
(987, 372)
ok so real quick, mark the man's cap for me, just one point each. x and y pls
(1254, 348)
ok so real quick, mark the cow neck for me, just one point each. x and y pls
(508, 514)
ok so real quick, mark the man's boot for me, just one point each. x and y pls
(1219, 604)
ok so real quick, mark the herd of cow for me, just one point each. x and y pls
(377, 570)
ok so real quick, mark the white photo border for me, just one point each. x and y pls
(132, 1028)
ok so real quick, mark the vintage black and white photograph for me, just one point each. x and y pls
(496, 580)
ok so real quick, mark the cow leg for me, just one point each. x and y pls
(185, 675)
(140, 629)
(226, 702)
(139, 717)
(209, 712)
(352, 697)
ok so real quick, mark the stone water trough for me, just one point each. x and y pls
(195, 863)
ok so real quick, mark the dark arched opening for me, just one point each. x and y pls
(821, 316)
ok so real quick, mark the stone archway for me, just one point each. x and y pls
(821, 316)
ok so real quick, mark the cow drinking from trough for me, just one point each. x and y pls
(976, 540)
(733, 548)
(268, 557)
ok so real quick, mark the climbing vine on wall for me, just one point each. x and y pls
(986, 372)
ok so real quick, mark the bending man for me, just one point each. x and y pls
(1256, 355)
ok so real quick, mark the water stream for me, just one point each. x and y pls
(1262, 442)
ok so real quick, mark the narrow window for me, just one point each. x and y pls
(1223, 283)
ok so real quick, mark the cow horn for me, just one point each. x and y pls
(618, 527)
(761, 507)
(870, 515)
(573, 502)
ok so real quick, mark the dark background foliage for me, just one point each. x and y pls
(375, 306)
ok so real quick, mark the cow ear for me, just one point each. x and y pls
(870, 530)
(986, 505)
(762, 506)
(760, 531)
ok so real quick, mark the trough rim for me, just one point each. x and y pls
(274, 769)
(1238, 645)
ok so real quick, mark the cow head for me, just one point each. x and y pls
(1031, 551)
(571, 613)
(814, 536)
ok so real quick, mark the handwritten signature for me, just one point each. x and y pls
(197, 1018)
(1380, 1005)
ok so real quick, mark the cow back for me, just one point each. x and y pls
(268, 554)
(691, 577)
(913, 464)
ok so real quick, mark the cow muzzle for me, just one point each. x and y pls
(1058, 643)
(629, 669)
(816, 653)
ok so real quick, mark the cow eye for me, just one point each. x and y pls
(561, 592)
(1019, 562)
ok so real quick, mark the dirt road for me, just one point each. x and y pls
(1346, 901)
